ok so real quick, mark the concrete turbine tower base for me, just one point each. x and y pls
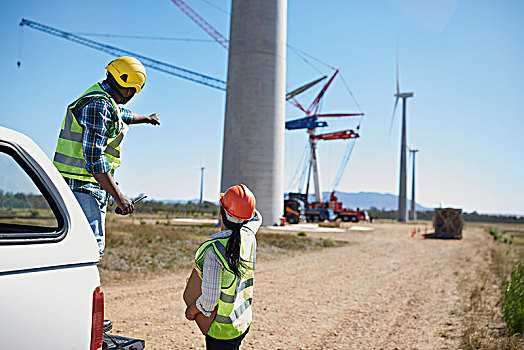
(253, 151)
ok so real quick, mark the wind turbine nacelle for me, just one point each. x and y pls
(404, 94)
(305, 123)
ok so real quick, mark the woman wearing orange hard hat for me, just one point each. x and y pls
(219, 292)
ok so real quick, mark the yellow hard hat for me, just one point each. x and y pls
(128, 72)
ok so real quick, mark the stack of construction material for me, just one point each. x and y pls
(448, 223)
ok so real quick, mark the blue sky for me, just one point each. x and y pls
(462, 59)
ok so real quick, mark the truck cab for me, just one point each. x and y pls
(294, 211)
(50, 296)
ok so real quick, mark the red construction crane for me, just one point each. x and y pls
(338, 135)
(311, 122)
(224, 42)
(202, 23)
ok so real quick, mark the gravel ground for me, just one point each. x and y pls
(383, 290)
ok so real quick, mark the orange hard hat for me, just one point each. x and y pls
(239, 202)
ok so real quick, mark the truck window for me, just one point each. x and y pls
(27, 210)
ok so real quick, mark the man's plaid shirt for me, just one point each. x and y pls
(96, 120)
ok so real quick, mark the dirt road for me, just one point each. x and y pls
(383, 290)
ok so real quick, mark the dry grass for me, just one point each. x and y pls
(484, 326)
(144, 245)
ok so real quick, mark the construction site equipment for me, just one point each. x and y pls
(448, 223)
(48, 265)
(294, 211)
(114, 51)
(311, 122)
(313, 212)
(346, 214)
(224, 42)
(202, 23)
(318, 210)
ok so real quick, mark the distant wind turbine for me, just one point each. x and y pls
(202, 168)
(413, 213)
(402, 196)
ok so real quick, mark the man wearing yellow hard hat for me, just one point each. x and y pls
(90, 141)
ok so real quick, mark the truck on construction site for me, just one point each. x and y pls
(345, 214)
(297, 203)
(297, 208)
(294, 210)
(49, 281)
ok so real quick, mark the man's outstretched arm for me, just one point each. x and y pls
(143, 119)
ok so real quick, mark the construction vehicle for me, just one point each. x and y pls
(312, 212)
(319, 210)
(320, 215)
(49, 278)
(294, 211)
(346, 214)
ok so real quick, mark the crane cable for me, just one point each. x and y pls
(143, 37)
(216, 7)
(305, 170)
(343, 164)
(303, 158)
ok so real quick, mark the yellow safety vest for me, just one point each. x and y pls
(69, 158)
(234, 314)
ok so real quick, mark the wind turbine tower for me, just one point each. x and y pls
(202, 168)
(402, 195)
(253, 152)
(413, 213)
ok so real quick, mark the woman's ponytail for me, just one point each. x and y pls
(233, 245)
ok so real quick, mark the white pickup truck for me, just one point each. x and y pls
(50, 296)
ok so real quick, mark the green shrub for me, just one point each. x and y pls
(513, 303)
(302, 234)
(328, 243)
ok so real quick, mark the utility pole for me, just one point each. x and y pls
(413, 214)
(201, 182)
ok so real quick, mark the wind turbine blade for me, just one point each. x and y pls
(392, 118)
(398, 69)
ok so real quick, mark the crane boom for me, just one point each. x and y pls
(202, 23)
(338, 135)
(146, 61)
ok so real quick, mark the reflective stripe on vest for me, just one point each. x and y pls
(69, 158)
(234, 313)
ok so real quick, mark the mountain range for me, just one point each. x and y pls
(362, 200)
(366, 200)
